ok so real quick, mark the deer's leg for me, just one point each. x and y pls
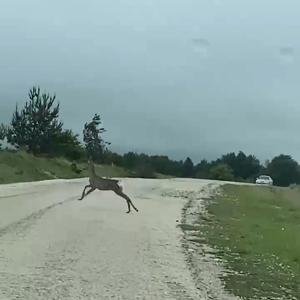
(128, 200)
(83, 193)
(120, 193)
(89, 191)
(133, 205)
(128, 205)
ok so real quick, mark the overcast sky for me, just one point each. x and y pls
(185, 78)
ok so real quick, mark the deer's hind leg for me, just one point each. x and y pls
(128, 200)
(133, 206)
(83, 193)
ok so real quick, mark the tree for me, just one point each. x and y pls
(253, 167)
(221, 172)
(67, 144)
(246, 166)
(35, 126)
(3, 133)
(130, 160)
(112, 158)
(162, 164)
(284, 170)
(92, 137)
(188, 168)
(202, 169)
(230, 160)
(243, 166)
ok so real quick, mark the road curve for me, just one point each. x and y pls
(55, 247)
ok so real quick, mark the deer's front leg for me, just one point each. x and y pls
(83, 193)
(89, 191)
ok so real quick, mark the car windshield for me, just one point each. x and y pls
(135, 139)
(264, 177)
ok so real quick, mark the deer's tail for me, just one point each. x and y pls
(121, 184)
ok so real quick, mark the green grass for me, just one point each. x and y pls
(22, 167)
(256, 231)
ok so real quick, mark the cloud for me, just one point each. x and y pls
(180, 78)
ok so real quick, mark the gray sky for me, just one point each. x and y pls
(191, 78)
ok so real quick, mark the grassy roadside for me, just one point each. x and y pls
(256, 232)
(22, 167)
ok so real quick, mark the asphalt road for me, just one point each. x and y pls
(55, 247)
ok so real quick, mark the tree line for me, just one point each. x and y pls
(37, 128)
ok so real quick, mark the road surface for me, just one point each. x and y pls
(55, 247)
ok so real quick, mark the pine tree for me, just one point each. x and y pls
(35, 126)
(92, 137)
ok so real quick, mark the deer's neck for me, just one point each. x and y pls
(92, 170)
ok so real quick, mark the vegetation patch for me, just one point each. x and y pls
(21, 167)
(255, 231)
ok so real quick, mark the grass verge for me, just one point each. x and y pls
(256, 231)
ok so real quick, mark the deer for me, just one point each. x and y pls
(105, 184)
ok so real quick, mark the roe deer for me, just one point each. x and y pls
(104, 184)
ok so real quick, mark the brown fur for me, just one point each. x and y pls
(104, 184)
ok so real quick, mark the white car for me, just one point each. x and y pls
(264, 179)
